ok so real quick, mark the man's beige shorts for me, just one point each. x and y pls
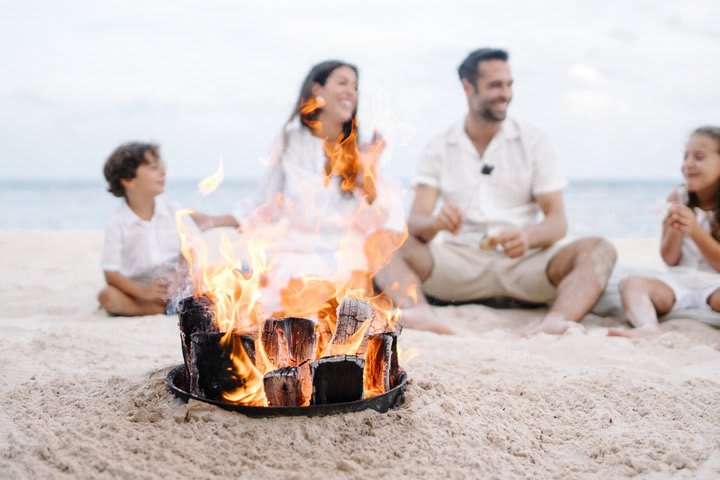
(461, 273)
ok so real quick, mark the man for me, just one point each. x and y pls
(496, 231)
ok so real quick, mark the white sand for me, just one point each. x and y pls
(83, 395)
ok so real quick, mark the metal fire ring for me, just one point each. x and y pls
(177, 384)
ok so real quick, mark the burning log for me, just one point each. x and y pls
(289, 386)
(381, 363)
(289, 341)
(337, 379)
(213, 366)
(352, 313)
(196, 314)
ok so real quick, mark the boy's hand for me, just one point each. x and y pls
(157, 291)
(449, 218)
(682, 218)
(514, 242)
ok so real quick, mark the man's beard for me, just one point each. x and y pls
(490, 116)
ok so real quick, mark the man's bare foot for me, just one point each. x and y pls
(641, 332)
(555, 327)
(421, 317)
(555, 324)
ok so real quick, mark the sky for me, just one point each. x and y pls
(617, 86)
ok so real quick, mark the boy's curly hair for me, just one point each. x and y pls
(124, 162)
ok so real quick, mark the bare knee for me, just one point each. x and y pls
(632, 286)
(714, 300)
(109, 298)
(417, 256)
(599, 255)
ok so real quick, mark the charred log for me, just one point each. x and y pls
(352, 313)
(212, 361)
(381, 363)
(289, 341)
(337, 379)
(196, 314)
(289, 386)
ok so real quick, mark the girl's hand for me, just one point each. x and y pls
(682, 218)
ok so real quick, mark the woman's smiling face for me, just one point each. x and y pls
(340, 95)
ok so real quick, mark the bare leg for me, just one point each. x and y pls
(401, 279)
(580, 271)
(714, 302)
(643, 299)
(117, 302)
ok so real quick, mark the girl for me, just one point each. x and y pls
(690, 244)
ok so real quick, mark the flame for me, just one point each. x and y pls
(405, 356)
(239, 285)
(209, 184)
(252, 391)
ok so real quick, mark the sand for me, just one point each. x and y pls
(84, 396)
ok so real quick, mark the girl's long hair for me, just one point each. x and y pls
(714, 133)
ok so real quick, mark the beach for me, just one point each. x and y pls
(84, 396)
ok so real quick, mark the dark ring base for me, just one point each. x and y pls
(177, 384)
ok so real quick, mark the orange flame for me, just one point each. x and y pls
(405, 356)
(252, 391)
(209, 184)
(238, 286)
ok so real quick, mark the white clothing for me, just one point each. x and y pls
(690, 255)
(141, 249)
(523, 165)
(314, 227)
(692, 287)
(693, 280)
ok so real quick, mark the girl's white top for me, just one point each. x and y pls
(691, 256)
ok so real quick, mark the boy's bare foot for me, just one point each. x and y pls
(422, 318)
(641, 332)
(555, 325)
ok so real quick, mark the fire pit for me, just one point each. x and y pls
(281, 369)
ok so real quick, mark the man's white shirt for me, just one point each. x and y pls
(523, 165)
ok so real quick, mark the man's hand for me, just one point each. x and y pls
(514, 242)
(449, 218)
(682, 218)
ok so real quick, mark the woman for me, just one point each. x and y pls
(320, 202)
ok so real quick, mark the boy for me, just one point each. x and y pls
(142, 246)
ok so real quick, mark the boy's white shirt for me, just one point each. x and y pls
(137, 248)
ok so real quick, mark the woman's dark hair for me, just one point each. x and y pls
(713, 133)
(123, 163)
(344, 155)
(319, 74)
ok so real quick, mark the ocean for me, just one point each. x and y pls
(609, 208)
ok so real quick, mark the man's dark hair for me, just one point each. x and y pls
(123, 163)
(468, 69)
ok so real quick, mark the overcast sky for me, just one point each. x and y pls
(617, 86)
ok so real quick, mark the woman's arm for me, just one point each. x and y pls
(205, 222)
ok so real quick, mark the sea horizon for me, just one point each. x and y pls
(606, 207)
